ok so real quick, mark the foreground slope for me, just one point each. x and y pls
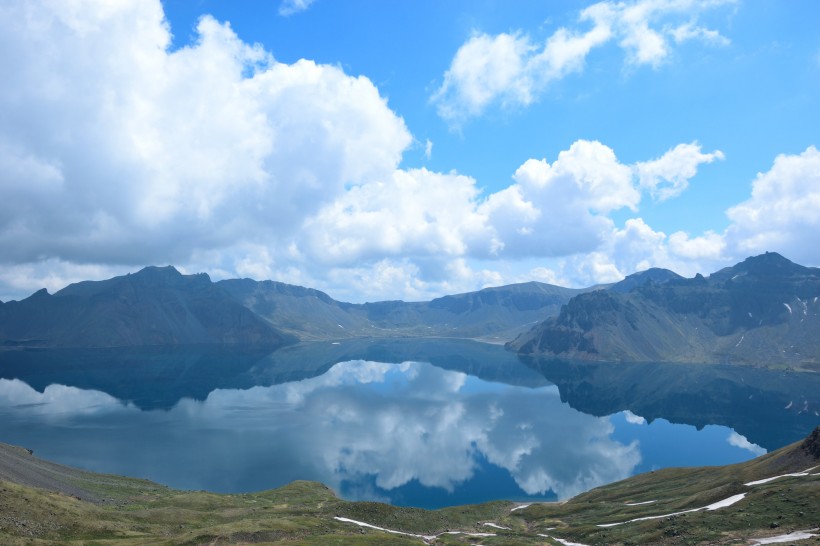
(762, 311)
(776, 494)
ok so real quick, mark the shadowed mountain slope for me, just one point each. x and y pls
(156, 306)
(762, 311)
(160, 306)
(497, 313)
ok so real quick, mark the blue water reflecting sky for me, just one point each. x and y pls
(406, 433)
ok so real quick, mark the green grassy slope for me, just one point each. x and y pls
(70, 506)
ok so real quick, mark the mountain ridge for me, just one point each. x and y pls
(155, 306)
(763, 310)
(161, 306)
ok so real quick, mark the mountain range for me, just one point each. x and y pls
(762, 310)
(161, 306)
(157, 306)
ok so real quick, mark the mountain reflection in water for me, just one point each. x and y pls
(420, 422)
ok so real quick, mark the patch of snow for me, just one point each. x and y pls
(767, 480)
(363, 524)
(562, 541)
(714, 506)
(340, 326)
(639, 503)
(493, 525)
(797, 535)
(335, 343)
(750, 315)
(521, 507)
(788, 307)
(790, 405)
(739, 342)
(726, 502)
(425, 538)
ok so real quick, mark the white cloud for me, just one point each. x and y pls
(415, 213)
(289, 7)
(21, 280)
(394, 423)
(109, 141)
(634, 419)
(486, 69)
(668, 176)
(782, 212)
(580, 188)
(433, 218)
(709, 246)
(58, 402)
(510, 69)
(117, 152)
(740, 441)
(689, 31)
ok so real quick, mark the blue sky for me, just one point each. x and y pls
(383, 150)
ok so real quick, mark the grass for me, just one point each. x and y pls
(128, 511)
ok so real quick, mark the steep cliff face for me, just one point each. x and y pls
(156, 306)
(762, 311)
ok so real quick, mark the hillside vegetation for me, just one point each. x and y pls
(45, 503)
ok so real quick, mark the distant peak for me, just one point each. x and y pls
(769, 263)
(167, 275)
(159, 270)
(655, 275)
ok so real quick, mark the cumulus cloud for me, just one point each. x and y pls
(668, 176)
(117, 152)
(782, 209)
(580, 188)
(511, 69)
(415, 212)
(432, 219)
(109, 141)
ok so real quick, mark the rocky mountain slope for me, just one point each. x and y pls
(160, 306)
(762, 311)
(156, 306)
(497, 313)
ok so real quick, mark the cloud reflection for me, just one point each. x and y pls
(361, 422)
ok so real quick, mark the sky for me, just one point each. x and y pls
(405, 149)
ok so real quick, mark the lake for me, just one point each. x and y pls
(416, 422)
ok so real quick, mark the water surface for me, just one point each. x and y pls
(412, 422)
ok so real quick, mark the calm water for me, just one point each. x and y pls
(415, 422)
